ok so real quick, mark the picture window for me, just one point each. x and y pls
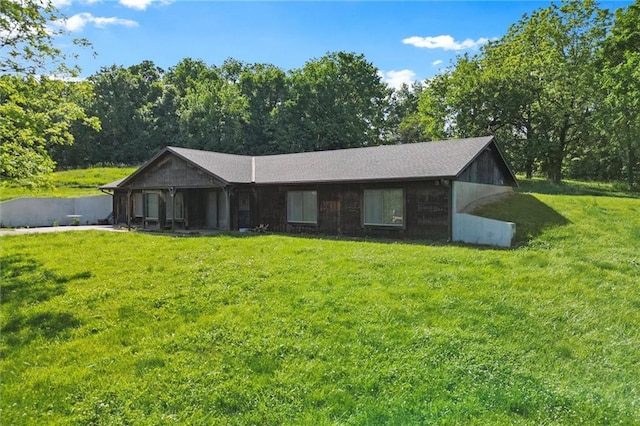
(384, 207)
(302, 207)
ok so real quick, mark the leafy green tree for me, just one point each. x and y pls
(535, 87)
(264, 87)
(402, 119)
(166, 128)
(36, 112)
(177, 81)
(187, 73)
(337, 101)
(127, 101)
(212, 115)
(435, 114)
(556, 48)
(27, 32)
(620, 80)
(512, 90)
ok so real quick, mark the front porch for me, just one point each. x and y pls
(172, 208)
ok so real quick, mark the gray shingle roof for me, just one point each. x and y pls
(385, 162)
(113, 185)
(442, 159)
(229, 167)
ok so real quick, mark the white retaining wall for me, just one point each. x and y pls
(474, 229)
(32, 212)
(480, 230)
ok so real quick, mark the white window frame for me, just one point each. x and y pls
(302, 197)
(389, 211)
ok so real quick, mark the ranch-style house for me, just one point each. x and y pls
(413, 191)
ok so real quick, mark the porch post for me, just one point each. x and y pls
(172, 192)
(227, 199)
(128, 209)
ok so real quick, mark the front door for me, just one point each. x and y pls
(212, 209)
(244, 210)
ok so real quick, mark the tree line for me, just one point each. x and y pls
(336, 101)
(561, 90)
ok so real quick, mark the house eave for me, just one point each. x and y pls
(355, 181)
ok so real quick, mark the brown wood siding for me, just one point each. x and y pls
(428, 206)
(234, 206)
(487, 168)
(340, 210)
(171, 171)
(272, 208)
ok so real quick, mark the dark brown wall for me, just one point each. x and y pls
(340, 210)
(487, 168)
(168, 171)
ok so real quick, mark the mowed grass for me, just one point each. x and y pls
(131, 328)
(70, 183)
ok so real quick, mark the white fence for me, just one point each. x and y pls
(32, 212)
(474, 229)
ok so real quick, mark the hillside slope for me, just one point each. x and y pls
(70, 183)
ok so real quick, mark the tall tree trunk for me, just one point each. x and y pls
(557, 153)
(528, 168)
(529, 151)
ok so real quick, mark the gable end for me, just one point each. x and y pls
(168, 170)
(488, 167)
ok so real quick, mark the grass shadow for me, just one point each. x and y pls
(25, 281)
(26, 284)
(531, 216)
(47, 324)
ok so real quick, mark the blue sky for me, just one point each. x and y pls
(407, 41)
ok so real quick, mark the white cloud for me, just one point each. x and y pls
(445, 42)
(66, 78)
(61, 3)
(136, 4)
(395, 79)
(436, 62)
(132, 4)
(141, 4)
(79, 21)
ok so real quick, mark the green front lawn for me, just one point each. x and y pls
(132, 328)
